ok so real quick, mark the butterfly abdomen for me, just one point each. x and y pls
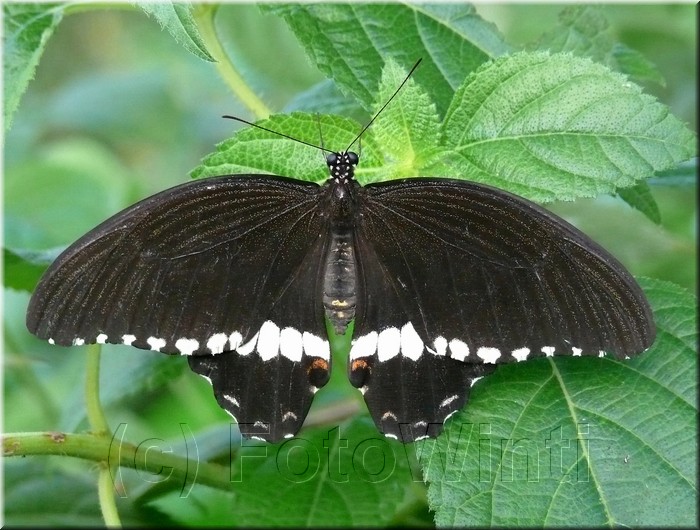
(339, 281)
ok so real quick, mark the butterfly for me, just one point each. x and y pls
(444, 279)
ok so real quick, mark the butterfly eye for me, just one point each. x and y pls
(332, 159)
(352, 158)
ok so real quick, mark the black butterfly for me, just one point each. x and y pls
(444, 279)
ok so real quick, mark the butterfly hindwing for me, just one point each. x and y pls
(269, 388)
(270, 399)
(203, 269)
(411, 399)
(450, 279)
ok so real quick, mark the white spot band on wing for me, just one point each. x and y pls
(268, 340)
(440, 346)
(217, 343)
(458, 350)
(548, 351)
(248, 347)
(489, 355)
(291, 344)
(364, 346)
(235, 340)
(520, 354)
(388, 344)
(186, 346)
(316, 347)
(156, 344)
(411, 343)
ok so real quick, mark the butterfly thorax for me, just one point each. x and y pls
(339, 297)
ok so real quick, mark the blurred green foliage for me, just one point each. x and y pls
(118, 110)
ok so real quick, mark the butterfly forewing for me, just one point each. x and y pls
(452, 270)
(205, 268)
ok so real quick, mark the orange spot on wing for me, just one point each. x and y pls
(318, 364)
(359, 364)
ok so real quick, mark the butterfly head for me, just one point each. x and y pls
(342, 165)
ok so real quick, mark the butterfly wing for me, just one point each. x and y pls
(463, 276)
(204, 269)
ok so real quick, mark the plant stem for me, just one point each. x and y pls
(114, 452)
(105, 492)
(204, 15)
(95, 414)
(100, 427)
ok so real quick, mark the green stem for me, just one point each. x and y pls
(114, 453)
(105, 492)
(204, 15)
(96, 417)
(100, 427)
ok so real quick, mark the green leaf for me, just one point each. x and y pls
(559, 127)
(584, 31)
(203, 507)
(26, 30)
(585, 441)
(365, 478)
(684, 174)
(675, 314)
(177, 19)
(325, 98)
(634, 64)
(23, 268)
(640, 197)
(350, 42)
(408, 127)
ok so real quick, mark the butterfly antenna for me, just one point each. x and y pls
(241, 120)
(276, 132)
(385, 104)
(320, 129)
